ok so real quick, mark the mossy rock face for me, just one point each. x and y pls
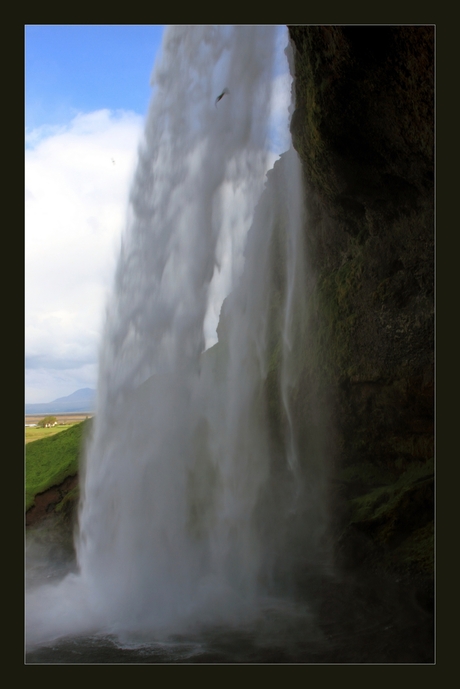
(364, 130)
(365, 116)
(68, 505)
(50, 550)
(393, 510)
(363, 127)
(390, 516)
(416, 553)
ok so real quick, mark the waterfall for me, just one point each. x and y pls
(196, 493)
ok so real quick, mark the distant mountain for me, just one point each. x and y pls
(83, 400)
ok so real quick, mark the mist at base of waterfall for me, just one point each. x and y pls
(354, 617)
(347, 619)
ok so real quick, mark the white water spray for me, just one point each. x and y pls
(184, 516)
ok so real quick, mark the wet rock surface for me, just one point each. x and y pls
(364, 128)
(378, 620)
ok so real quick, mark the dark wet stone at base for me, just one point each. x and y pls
(376, 621)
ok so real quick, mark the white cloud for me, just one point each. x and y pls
(77, 183)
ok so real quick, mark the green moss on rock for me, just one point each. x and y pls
(364, 129)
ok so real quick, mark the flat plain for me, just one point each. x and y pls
(64, 421)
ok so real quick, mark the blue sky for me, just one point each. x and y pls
(87, 91)
(83, 68)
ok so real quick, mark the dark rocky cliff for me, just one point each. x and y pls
(364, 129)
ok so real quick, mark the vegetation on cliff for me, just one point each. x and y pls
(51, 461)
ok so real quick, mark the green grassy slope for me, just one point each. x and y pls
(50, 460)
